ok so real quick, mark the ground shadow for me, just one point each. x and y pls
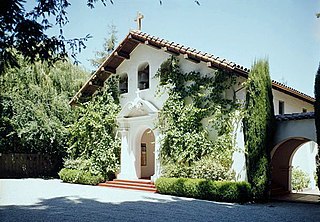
(72, 208)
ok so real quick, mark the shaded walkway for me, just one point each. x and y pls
(51, 200)
(299, 198)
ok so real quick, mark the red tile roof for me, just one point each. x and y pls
(134, 38)
(295, 116)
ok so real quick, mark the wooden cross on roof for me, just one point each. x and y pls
(139, 19)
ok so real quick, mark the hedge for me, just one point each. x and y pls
(226, 191)
(79, 176)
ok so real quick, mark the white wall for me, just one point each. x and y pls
(291, 104)
(155, 57)
(304, 158)
(142, 54)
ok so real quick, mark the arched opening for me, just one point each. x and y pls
(303, 173)
(147, 158)
(283, 159)
(143, 76)
(123, 83)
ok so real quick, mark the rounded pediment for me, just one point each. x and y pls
(138, 107)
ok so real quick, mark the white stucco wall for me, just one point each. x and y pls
(291, 104)
(140, 55)
(155, 57)
(304, 159)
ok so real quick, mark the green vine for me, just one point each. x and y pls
(93, 145)
(196, 120)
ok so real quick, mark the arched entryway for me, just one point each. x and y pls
(147, 154)
(281, 162)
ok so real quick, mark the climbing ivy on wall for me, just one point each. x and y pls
(317, 120)
(258, 128)
(194, 98)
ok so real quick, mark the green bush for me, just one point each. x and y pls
(300, 179)
(211, 169)
(79, 176)
(226, 191)
(206, 168)
(93, 134)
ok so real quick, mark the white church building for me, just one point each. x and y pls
(136, 60)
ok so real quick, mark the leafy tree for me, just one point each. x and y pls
(258, 128)
(108, 47)
(93, 138)
(26, 31)
(317, 120)
(34, 108)
(300, 179)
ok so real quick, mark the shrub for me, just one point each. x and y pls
(211, 169)
(176, 170)
(78, 164)
(300, 179)
(93, 133)
(205, 189)
(206, 168)
(79, 176)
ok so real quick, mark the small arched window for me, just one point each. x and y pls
(123, 83)
(143, 76)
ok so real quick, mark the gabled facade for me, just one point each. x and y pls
(136, 60)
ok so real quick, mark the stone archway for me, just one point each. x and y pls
(281, 163)
(147, 154)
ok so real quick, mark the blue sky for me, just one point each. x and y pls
(286, 31)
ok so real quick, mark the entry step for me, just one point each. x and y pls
(141, 185)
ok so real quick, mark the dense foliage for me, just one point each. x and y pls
(258, 128)
(226, 191)
(317, 120)
(207, 167)
(299, 179)
(195, 100)
(34, 110)
(93, 142)
(79, 176)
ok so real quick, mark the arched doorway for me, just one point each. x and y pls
(281, 163)
(147, 155)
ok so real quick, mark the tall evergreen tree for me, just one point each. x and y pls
(317, 119)
(108, 47)
(258, 126)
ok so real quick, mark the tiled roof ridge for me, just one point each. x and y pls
(204, 56)
(136, 37)
(288, 88)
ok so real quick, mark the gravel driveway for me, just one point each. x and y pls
(52, 200)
